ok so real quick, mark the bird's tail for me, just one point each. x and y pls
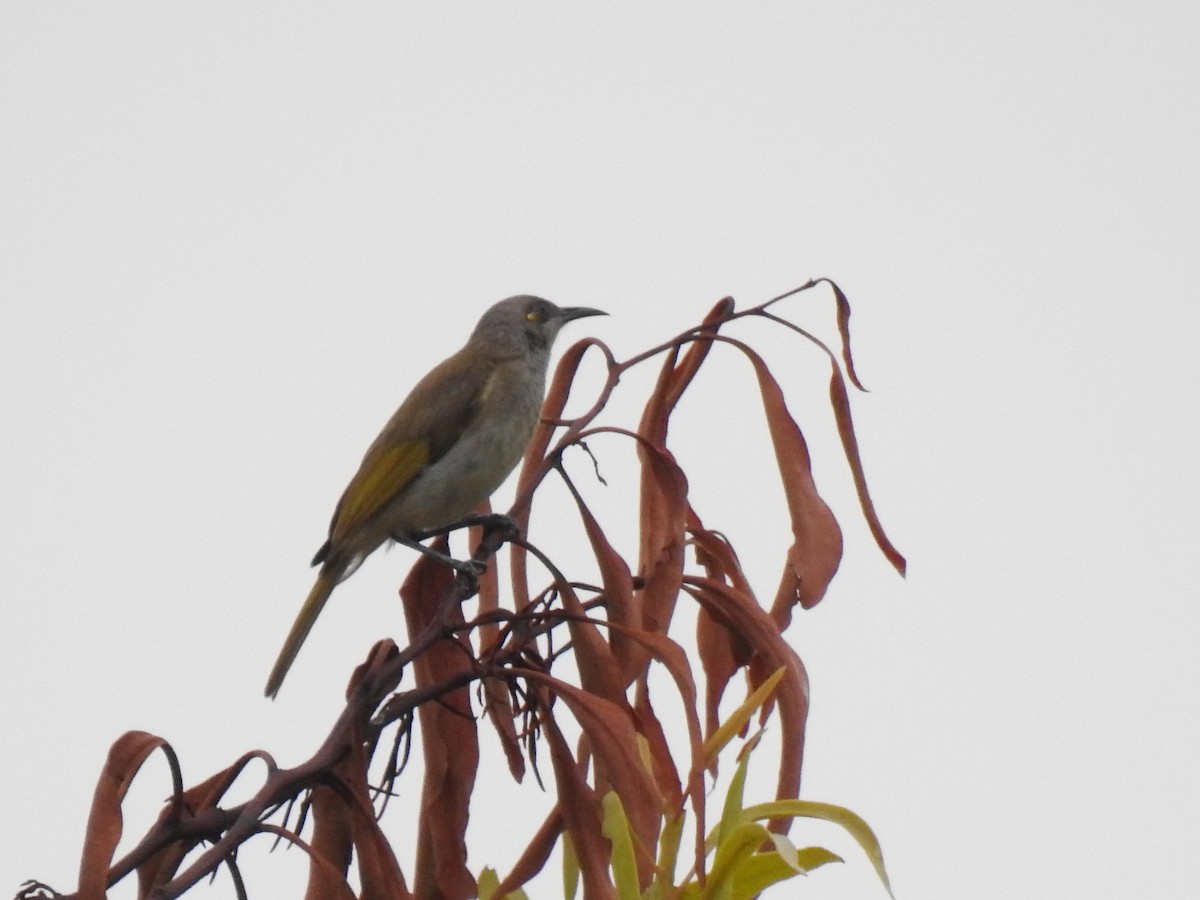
(327, 580)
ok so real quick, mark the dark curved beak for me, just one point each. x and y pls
(570, 313)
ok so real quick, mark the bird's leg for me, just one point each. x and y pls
(468, 567)
(491, 520)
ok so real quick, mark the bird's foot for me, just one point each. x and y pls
(471, 568)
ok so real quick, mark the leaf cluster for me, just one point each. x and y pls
(622, 796)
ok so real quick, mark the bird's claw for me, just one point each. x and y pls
(472, 568)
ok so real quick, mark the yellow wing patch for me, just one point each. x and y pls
(382, 476)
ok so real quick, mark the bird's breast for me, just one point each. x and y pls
(489, 448)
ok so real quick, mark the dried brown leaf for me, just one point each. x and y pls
(663, 483)
(661, 560)
(622, 606)
(723, 651)
(673, 378)
(716, 554)
(535, 466)
(535, 855)
(499, 709)
(599, 671)
(378, 871)
(841, 412)
(582, 815)
(843, 325)
(497, 700)
(816, 549)
(670, 788)
(609, 729)
(105, 821)
(449, 739)
(770, 652)
(331, 846)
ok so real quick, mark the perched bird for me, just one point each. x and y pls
(451, 443)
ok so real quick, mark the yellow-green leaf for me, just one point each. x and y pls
(811, 858)
(489, 881)
(616, 828)
(759, 872)
(739, 717)
(839, 815)
(570, 867)
(731, 812)
(668, 854)
(762, 870)
(734, 848)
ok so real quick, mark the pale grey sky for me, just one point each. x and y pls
(233, 235)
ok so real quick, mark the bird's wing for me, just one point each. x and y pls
(380, 478)
(422, 430)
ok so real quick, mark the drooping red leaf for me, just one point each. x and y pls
(663, 501)
(609, 729)
(675, 659)
(619, 601)
(497, 700)
(670, 788)
(663, 483)
(533, 858)
(331, 845)
(580, 808)
(345, 828)
(105, 821)
(499, 709)
(721, 648)
(673, 379)
(841, 411)
(840, 402)
(816, 549)
(843, 325)
(716, 554)
(449, 739)
(378, 871)
(721, 655)
(534, 466)
(770, 653)
(599, 671)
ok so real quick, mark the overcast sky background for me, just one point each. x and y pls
(232, 236)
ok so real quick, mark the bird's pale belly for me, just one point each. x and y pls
(450, 489)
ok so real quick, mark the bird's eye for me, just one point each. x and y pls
(536, 314)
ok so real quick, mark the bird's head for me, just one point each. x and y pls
(526, 320)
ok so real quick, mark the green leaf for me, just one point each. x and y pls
(624, 866)
(731, 812)
(740, 716)
(759, 872)
(488, 882)
(839, 815)
(734, 848)
(811, 858)
(668, 854)
(762, 870)
(570, 867)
